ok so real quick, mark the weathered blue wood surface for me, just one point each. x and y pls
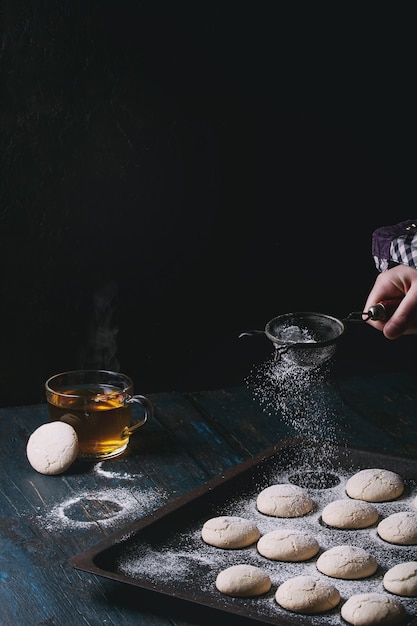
(45, 520)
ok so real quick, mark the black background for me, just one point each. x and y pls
(175, 173)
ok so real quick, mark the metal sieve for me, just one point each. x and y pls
(306, 338)
(309, 339)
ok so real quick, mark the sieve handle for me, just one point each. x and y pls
(251, 333)
(383, 310)
(379, 312)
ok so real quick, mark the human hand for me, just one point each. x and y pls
(399, 281)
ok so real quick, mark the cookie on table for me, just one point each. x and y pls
(284, 500)
(375, 485)
(52, 448)
(227, 531)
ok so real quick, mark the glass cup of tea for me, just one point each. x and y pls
(98, 405)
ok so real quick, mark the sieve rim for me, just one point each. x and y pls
(299, 315)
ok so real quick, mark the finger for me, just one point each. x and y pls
(404, 318)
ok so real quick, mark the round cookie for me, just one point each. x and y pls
(375, 485)
(347, 562)
(402, 579)
(350, 514)
(229, 532)
(243, 581)
(284, 500)
(52, 448)
(287, 545)
(372, 609)
(399, 528)
(307, 595)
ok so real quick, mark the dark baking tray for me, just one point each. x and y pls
(175, 527)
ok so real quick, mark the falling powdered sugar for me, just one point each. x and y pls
(297, 394)
(291, 386)
(294, 390)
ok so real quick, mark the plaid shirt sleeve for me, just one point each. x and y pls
(395, 245)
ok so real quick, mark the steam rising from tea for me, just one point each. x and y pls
(100, 350)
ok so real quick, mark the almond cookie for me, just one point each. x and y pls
(52, 448)
(243, 581)
(350, 514)
(399, 528)
(402, 579)
(307, 595)
(287, 545)
(228, 531)
(373, 609)
(375, 485)
(347, 562)
(284, 500)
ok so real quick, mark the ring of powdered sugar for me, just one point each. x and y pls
(52, 448)
(399, 528)
(284, 500)
(287, 545)
(350, 514)
(372, 609)
(347, 562)
(243, 580)
(402, 579)
(375, 485)
(228, 531)
(307, 595)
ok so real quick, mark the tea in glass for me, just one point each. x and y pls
(98, 404)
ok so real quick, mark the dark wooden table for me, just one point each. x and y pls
(46, 520)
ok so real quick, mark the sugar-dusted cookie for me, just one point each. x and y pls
(347, 562)
(373, 609)
(284, 544)
(399, 528)
(243, 581)
(307, 595)
(52, 448)
(228, 531)
(402, 579)
(284, 500)
(350, 514)
(375, 485)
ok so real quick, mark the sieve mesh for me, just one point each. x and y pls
(305, 338)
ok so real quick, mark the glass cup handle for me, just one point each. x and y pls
(149, 412)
